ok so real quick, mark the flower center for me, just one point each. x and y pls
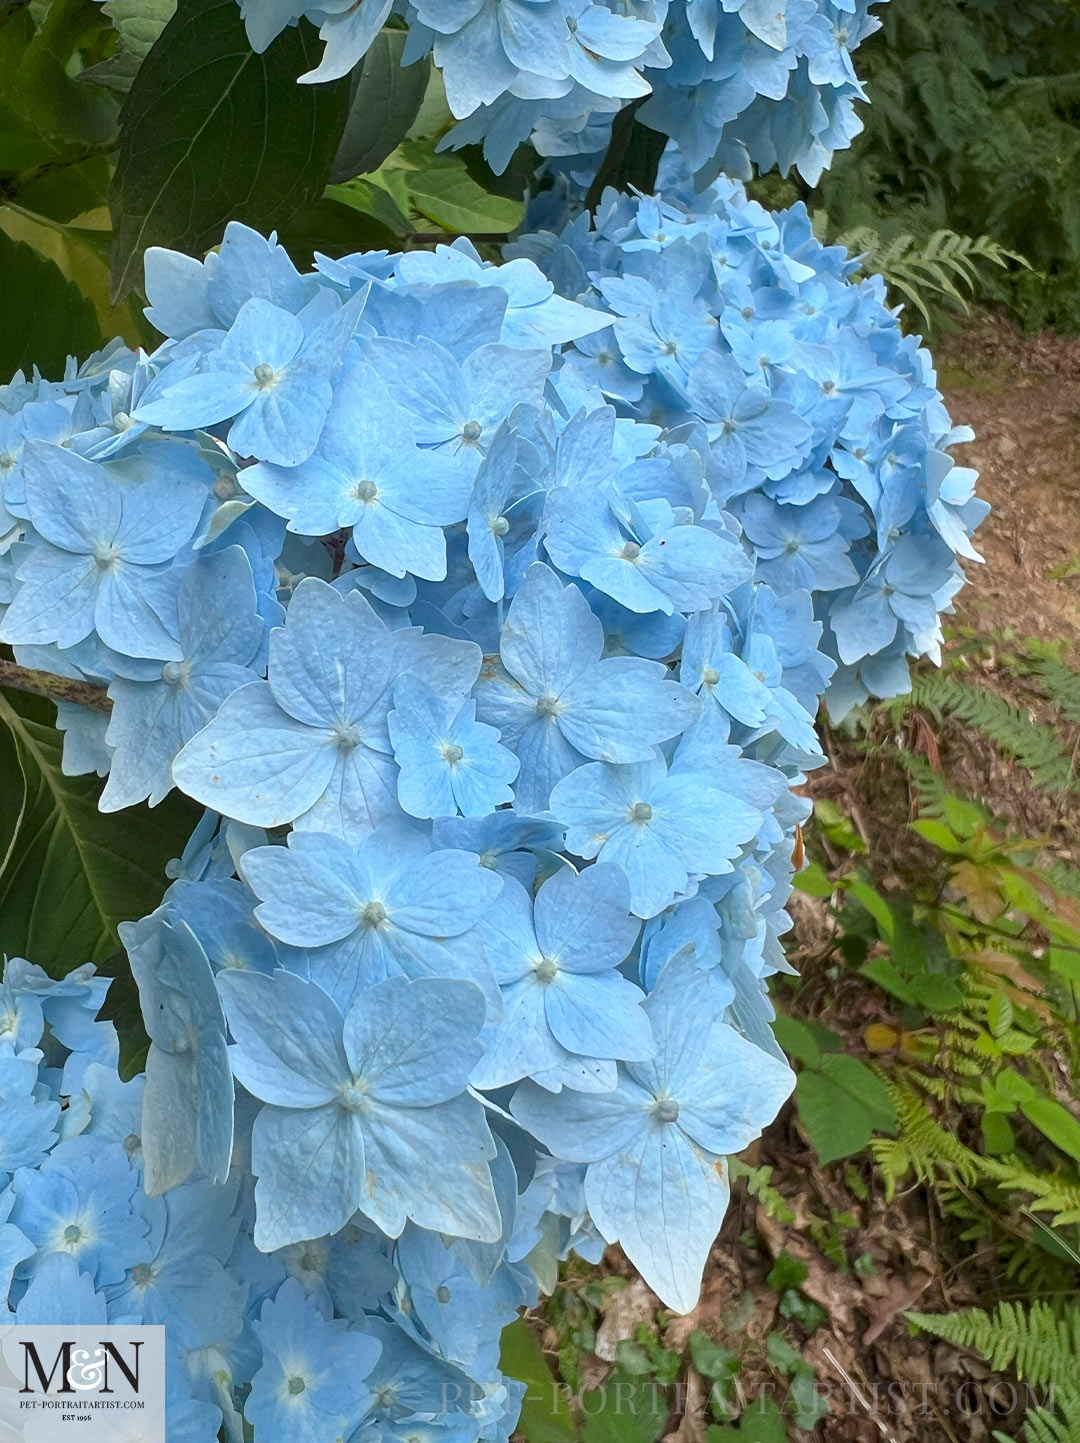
(442, 1293)
(296, 1384)
(452, 754)
(226, 488)
(105, 555)
(667, 1109)
(176, 673)
(630, 552)
(374, 914)
(499, 525)
(548, 705)
(132, 1144)
(365, 491)
(142, 1275)
(472, 431)
(546, 970)
(265, 376)
(710, 676)
(72, 1233)
(352, 1096)
(346, 738)
(641, 812)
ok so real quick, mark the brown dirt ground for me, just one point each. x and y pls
(1022, 397)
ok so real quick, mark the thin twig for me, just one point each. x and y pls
(858, 1395)
(55, 688)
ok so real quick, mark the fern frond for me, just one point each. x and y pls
(943, 264)
(923, 1146)
(1039, 1345)
(1042, 1426)
(1049, 1193)
(1036, 747)
(1057, 682)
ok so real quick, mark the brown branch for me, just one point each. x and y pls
(13, 184)
(55, 688)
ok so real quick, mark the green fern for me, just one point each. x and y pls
(1039, 1345)
(943, 265)
(1035, 746)
(1048, 1193)
(1056, 681)
(973, 130)
(1042, 1426)
(923, 1146)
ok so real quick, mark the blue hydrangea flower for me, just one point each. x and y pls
(183, 1284)
(365, 1112)
(28, 1124)
(391, 907)
(219, 634)
(557, 699)
(459, 406)
(640, 554)
(661, 827)
(60, 1294)
(449, 762)
(367, 474)
(568, 1013)
(637, 606)
(311, 1379)
(310, 744)
(188, 1102)
(270, 374)
(655, 1145)
(78, 1202)
(102, 562)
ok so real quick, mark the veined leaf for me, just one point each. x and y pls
(212, 132)
(138, 24)
(441, 188)
(68, 874)
(80, 252)
(385, 101)
(46, 318)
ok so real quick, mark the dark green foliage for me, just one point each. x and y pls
(46, 318)
(211, 132)
(632, 158)
(974, 126)
(385, 99)
(69, 873)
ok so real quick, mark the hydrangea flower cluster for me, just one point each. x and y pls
(768, 83)
(359, 1336)
(817, 419)
(481, 620)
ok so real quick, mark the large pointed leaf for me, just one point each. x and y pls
(211, 132)
(68, 873)
(385, 101)
(45, 317)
